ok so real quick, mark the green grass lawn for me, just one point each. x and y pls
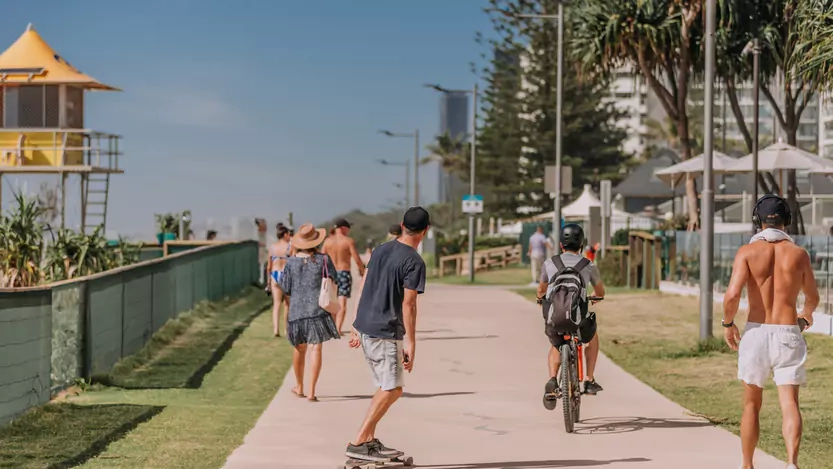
(189, 428)
(184, 349)
(512, 275)
(655, 338)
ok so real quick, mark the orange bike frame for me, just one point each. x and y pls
(579, 356)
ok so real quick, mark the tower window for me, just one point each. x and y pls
(30, 106)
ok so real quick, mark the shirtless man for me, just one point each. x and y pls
(774, 272)
(341, 248)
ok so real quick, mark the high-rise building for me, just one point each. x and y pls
(454, 121)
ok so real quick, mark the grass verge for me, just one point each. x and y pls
(41, 437)
(185, 349)
(199, 428)
(655, 338)
(147, 427)
(511, 275)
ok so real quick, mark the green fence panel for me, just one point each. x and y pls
(164, 300)
(184, 278)
(228, 273)
(137, 326)
(68, 319)
(25, 350)
(105, 297)
(201, 279)
(150, 253)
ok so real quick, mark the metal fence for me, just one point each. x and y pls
(51, 335)
(820, 249)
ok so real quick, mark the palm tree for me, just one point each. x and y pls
(451, 153)
(658, 38)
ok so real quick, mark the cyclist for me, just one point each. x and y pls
(572, 243)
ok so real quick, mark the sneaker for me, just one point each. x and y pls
(365, 452)
(384, 450)
(551, 394)
(592, 387)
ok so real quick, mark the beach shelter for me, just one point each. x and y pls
(779, 157)
(31, 61)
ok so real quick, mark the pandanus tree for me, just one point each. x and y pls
(660, 39)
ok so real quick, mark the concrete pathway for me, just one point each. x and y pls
(474, 402)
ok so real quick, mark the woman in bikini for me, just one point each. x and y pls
(278, 254)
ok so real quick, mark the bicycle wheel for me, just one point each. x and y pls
(577, 395)
(567, 372)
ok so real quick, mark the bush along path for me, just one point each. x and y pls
(187, 399)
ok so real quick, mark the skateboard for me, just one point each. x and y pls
(360, 464)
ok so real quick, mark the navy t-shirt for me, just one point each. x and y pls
(393, 267)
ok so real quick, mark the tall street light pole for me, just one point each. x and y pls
(407, 166)
(556, 212)
(707, 202)
(472, 161)
(415, 136)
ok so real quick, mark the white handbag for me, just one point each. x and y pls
(328, 297)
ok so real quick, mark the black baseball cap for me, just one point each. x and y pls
(773, 210)
(342, 223)
(416, 219)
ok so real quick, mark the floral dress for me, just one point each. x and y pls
(301, 281)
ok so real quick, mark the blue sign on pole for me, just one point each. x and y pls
(472, 203)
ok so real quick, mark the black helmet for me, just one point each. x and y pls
(572, 237)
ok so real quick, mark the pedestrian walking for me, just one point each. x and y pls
(774, 271)
(537, 252)
(309, 325)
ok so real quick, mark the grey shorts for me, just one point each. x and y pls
(385, 359)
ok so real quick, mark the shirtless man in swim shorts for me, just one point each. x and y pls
(774, 271)
(342, 249)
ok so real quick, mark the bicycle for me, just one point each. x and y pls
(572, 374)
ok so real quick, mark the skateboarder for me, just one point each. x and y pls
(774, 271)
(385, 327)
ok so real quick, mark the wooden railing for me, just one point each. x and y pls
(484, 259)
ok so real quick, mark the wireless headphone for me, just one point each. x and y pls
(756, 220)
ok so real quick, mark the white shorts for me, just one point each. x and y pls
(385, 359)
(770, 349)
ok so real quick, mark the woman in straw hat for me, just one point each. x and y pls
(309, 325)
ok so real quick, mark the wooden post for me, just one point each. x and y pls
(63, 199)
(644, 264)
(672, 258)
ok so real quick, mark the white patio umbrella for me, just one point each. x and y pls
(779, 157)
(675, 174)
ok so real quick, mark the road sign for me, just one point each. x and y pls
(472, 203)
(566, 180)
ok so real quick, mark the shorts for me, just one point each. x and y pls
(587, 329)
(345, 283)
(385, 359)
(770, 349)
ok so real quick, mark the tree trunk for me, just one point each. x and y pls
(690, 187)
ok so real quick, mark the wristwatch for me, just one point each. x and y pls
(727, 325)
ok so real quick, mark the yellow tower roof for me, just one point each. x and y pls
(30, 60)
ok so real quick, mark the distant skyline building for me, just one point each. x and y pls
(454, 121)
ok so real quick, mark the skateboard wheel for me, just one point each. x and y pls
(409, 461)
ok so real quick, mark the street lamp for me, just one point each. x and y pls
(559, 17)
(472, 162)
(407, 166)
(415, 136)
(707, 197)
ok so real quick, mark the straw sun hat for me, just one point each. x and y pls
(308, 237)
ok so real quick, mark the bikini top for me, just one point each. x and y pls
(285, 256)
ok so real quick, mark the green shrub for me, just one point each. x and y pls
(611, 270)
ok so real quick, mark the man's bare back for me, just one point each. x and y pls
(774, 274)
(342, 249)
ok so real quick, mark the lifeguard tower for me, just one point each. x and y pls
(42, 125)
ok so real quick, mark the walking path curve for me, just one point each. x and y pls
(474, 402)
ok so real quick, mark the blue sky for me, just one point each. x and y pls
(257, 108)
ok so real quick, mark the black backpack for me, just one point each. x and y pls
(565, 303)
